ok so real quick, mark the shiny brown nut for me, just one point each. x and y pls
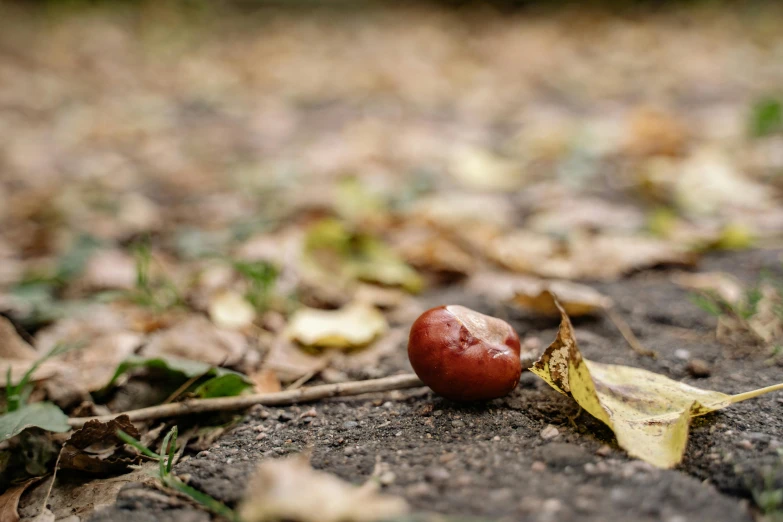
(464, 355)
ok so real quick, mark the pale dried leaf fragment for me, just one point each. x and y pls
(289, 489)
(724, 285)
(532, 293)
(265, 381)
(353, 326)
(649, 413)
(583, 256)
(19, 356)
(480, 169)
(231, 311)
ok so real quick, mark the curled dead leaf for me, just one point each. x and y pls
(289, 489)
(95, 447)
(649, 413)
(10, 500)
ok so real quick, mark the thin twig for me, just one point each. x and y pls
(51, 484)
(301, 380)
(311, 393)
(629, 336)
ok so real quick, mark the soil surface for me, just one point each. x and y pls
(494, 461)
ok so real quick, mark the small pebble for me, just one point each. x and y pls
(745, 444)
(387, 478)
(496, 438)
(458, 423)
(538, 466)
(549, 433)
(349, 425)
(681, 354)
(437, 474)
(699, 368)
(604, 451)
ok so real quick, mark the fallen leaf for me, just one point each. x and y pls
(89, 367)
(289, 489)
(80, 498)
(109, 270)
(583, 256)
(333, 254)
(649, 413)
(352, 326)
(290, 363)
(10, 500)
(480, 169)
(19, 356)
(708, 182)
(725, 285)
(655, 132)
(231, 311)
(532, 293)
(265, 381)
(427, 249)
(95, 447)
(197, 339)
(562, 214)
(44, 415)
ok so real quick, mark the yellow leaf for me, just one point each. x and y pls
(353, 326)
(649, 413)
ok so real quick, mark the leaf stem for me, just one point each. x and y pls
(755, 393)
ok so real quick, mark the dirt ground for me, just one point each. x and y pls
(490, 461)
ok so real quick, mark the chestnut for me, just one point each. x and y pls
(464, 355)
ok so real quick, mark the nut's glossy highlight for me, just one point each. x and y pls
(464, 355)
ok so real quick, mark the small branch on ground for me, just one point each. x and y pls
(306, 394)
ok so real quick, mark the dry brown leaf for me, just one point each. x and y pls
(352, 326)
(265, 381)
(109, 270)
(531, 293)
(197, 339)
(599, 257)
(429, 250)
(289, 489)
(89, 368)
(655, 132)
(95, 447)
(9, 501)
(708, 183)
(19, 356)
(290, 363)
(649, 413)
